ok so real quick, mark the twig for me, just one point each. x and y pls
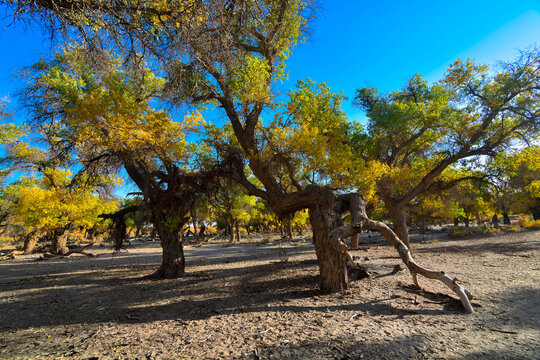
(504, 331)
(207, 337)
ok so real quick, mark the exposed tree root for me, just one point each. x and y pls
(354, 203)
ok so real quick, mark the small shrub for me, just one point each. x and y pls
(530, 224)
(266, 240)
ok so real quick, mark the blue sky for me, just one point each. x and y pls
(360, 43)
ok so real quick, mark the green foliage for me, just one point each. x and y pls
(428, 138)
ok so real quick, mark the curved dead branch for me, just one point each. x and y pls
(361, 221)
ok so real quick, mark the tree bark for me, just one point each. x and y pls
(422, 225)
(202, 231)
(506, 218)
(118, 232)
(169, 230)
(495, 221)
(237, 230)
(398, 215)
(59, 242)
(195, 230)
(30, 241)
(355, 241)
(360, 221)
(406, 256)
(230, 230)
(332, 261)
(288, 227)
(478, 218)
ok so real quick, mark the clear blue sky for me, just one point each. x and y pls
(359, 43)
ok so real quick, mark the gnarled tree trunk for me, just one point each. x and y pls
(30, 241)
(59, 242)
(332, 262)
(355, 241)
(169, 229)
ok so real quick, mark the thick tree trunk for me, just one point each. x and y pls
(195, 230)
(495, 221)
(478, 218)
(118, 232)
(230, 230)
(30, 241)
(170, 234)
(355, 241)
(535, 209)
(456, 222)
(237, 230)
(467, 221)
(506, 218)
(289, 229)
(399, 219)
(332, 262)
(59, 242)
(202, 231)
(422, 225)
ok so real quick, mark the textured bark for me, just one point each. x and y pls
(30, 241)
(331, 259)
(360, 221)
(237, 231)
(230, 231)
(399, 220)
(59, 242)
(506, 218)
(118, 233)
(170, 234)
(495, 221)
(406, 256)
(422, 225)
(288, 228)
(355, 241)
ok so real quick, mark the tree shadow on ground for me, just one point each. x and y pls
(495, 247)
(14, 271)
(116, 295)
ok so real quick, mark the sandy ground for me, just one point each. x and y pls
(245, 302)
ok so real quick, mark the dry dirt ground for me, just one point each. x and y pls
(245, 302)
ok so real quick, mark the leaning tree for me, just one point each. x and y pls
(232, 54)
